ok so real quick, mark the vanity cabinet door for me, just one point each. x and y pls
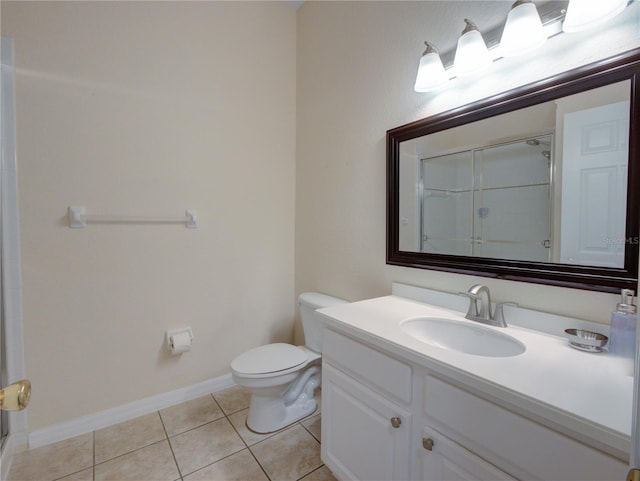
(444, 460)
(364, 435)
(518, 445)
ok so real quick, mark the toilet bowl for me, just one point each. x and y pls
(282, 378)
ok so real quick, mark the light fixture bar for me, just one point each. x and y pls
(551, 14)
(435, 69)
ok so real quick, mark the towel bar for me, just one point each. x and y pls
(78, 218)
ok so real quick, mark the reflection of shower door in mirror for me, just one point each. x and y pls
(512, 206)
(509, 214)
(594, 186)
(446, 204)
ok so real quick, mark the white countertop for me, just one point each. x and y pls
(585, 393)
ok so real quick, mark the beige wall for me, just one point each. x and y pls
(356, 69)
(151, 108)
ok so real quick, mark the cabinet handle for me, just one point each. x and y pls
(396, 422)
(427, 443)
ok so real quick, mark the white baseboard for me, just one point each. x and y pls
(109, 417)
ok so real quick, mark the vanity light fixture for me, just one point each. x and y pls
(584, 14)
(523, 31)
(472, 54)
(431, 74)
(527, 27)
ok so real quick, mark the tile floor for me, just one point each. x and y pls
(199, 440)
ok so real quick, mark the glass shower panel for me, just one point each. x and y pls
(524, 213)
(512, 202)
(525, 162)
(446, 204)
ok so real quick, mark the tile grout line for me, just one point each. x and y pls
(285, 429)
(247, 447)
(93, 462)
(139, 448)
(312, 471)
(224, 416)
(308, 430)
(317, 413)
(288, 428)
(259, 464)
(166, 433)
(93, 467)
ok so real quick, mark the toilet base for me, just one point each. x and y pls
(271, 411)
(268, 414)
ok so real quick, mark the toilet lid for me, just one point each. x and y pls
(269, 358)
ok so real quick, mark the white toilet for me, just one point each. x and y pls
(281, 377)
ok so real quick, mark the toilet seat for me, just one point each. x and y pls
(271, 358)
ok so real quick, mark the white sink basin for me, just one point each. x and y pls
(462, 337)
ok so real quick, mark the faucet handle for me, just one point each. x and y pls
(473, 305)
(498, 313)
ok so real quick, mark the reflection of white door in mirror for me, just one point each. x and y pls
(594, 185)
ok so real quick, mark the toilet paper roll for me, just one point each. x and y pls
(180, 343)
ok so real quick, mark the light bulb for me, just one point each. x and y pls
(523, 30)
(471, 54)
(431, 74)
(585, 14)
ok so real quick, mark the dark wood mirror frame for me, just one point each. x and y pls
(622, 67)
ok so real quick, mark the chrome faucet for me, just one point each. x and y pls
(481, 293)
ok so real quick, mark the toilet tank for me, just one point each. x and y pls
(312, 324)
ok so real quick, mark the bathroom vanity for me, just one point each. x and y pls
(501, 404)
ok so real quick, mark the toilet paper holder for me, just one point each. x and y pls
(179, 335)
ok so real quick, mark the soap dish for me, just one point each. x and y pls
(588, 341)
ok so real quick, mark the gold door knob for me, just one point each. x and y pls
(396, 422)
(427, 443)
(634, 475)
(16, 396)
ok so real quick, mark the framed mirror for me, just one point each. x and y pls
(538, 184)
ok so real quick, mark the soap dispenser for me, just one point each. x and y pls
(622, 341)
